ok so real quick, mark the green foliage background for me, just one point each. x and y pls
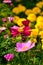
(32, 57)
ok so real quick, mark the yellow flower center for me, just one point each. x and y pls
(24, 48)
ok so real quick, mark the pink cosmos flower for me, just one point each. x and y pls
(9, 57)
(7, 1)
(26, 31)
(14, 31)
(4, 19)
(26, 22)
(10, 19)
(2, 28)
(22, 47)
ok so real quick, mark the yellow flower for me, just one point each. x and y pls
(33, 40)
(36, 26)
(16, 10)
(16, 18)
(31, 17)
(21, 8)
(40, 19)
(41, 13)
(28, 11)
(41, 34)
(39, 23)
(40, 4)
(34, 33)
(42, 40)
(19, 22)
(36, 10)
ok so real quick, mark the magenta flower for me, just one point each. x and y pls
(7, 1)
(9, 57)
(26, 22)
(10, 19)
(22, 47)
(26, 31)
(4, 19)
(14, 31)
(2, 28)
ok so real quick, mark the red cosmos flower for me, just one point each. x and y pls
(14, 31)
(26, 22)
(26, 31)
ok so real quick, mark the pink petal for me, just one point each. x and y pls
(7, 1)
(14, 27)
(21, 47)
